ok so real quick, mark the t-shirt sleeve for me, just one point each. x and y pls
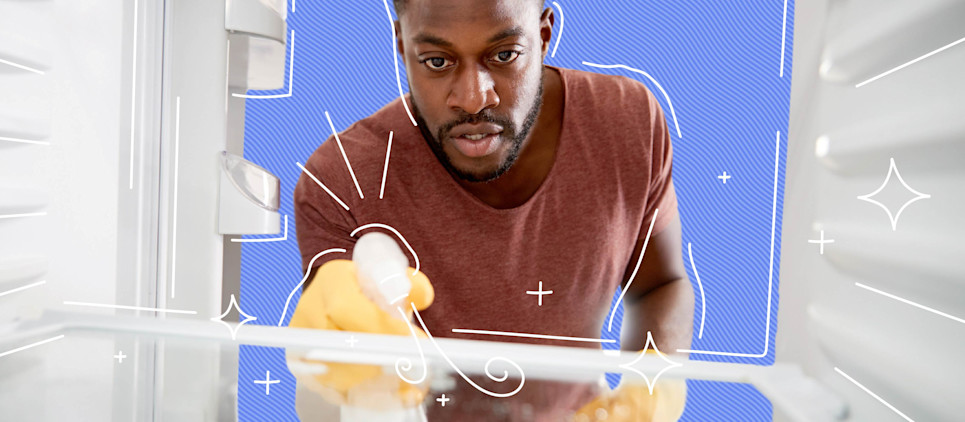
(321, 222)
(661, 195)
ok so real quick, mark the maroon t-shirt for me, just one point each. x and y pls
(575, 234)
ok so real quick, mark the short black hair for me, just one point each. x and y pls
(400, 5)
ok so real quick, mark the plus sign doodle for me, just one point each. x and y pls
(267, 382)
(724, 177)
(540, 292)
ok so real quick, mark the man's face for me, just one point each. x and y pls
(475, 75)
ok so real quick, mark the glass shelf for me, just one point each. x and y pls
(147, 363)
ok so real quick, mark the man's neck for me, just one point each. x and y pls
(536, 157)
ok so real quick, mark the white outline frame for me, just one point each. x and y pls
(770, 276)
(660, 87)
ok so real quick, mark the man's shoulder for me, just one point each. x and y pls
(604, 104)
(617, 109)
(359, 151)
(365, 137)
(373, 130)
(615, 91)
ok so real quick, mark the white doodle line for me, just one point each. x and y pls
(319, 183)
(489, 362)
(393, 276)
(23, 141)
(403, 296)
(917, 305)
(770, 275)
(398, 298)
(30, 214)
(703, 300)
(131, 308)
(954, 43)
(526, 335)
(385, 170)
(395, 58)
(338, 142)
(293, 6)
(311, 264)
(291, 77)
(660, 87)
(892, 168)
(650, 384)
(269, 239)
(10, 352)
(396, 232)
(174, 230)
(20, 66)
(560, 36)
(133, 96)
(23, 287)
(233, 330)
(405, 364)
(636, 268)
(783, 37)
(866, 390)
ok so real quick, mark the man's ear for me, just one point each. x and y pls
(546, 21)
(398, 38)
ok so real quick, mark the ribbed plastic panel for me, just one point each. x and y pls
(876, 165)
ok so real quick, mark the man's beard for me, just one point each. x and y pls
(510, 132)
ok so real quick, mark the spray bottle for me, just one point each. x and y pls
(382, 268)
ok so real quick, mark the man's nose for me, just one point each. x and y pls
(473, 90)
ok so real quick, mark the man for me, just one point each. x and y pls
(519, 177)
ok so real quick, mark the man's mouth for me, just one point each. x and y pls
(476, 140)
(475, 145)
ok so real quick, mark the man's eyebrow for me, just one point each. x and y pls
(506, 33)
(432, 39)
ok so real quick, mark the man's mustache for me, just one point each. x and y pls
(475, 118)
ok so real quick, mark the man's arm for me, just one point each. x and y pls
(660, 298)
(320, 222)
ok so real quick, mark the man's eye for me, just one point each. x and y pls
(435, 63)
(506, 56)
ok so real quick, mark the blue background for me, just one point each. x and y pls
(720, 64)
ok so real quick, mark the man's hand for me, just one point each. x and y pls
(335, 301)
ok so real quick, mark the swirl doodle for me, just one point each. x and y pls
(488, 367)
(405, 364)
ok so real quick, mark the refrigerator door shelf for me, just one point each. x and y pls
(249, 198)
(256, 18)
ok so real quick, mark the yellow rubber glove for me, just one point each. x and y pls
(633, 402)
(335, 301)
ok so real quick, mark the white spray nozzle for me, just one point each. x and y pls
(382, 269)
